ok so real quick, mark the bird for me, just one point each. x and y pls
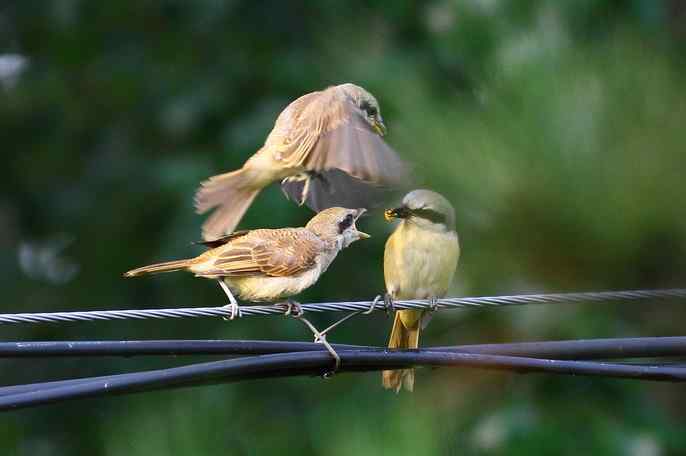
(420, 259)
(266, 265)
(327, 150)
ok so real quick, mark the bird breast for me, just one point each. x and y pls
(419, 263)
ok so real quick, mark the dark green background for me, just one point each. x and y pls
(557, 129)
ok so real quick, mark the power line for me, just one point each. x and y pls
(313, 363)
(589, 349)
(249, 310)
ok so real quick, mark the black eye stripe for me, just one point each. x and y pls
(369, 109)
(347, 221)
(430, 214)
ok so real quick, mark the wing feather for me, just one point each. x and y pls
(354, 147)
(329, 136)
(277, 253)
(325, 130)
(214, 243)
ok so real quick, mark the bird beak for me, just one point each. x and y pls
(399, 212)
(379, 126)
(361, 234)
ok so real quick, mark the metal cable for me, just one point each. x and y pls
(249, 310)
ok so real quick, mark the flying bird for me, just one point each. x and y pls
(270, 264)
(327, 150)
(420, 259)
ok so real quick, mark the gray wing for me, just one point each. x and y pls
(336, 188)
(354, 147)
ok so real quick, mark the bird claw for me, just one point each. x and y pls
(388, 303)
(233, 307)
(305, 176)
(234, 311)
(433, 304)
(292, 309)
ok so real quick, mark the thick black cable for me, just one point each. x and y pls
(636, 347)
(128, 348)
(317, 363)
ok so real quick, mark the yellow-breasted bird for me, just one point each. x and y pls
(326, 148)
(419, 263)
(270, 264)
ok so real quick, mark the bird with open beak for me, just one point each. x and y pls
(420, 259)
(327, 150)
(270, 264)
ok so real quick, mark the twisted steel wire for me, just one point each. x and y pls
(417, 304)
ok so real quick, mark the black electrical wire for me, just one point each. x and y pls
(278, 359)
(637, 347)
(316, 363)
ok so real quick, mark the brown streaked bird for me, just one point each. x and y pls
(419, 263)
(270, 264)
(326, 148)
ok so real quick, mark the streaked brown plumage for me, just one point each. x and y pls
(271, 264)
(337, 130)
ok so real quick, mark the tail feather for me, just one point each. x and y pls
(232, 193)
(401, 338)
(157, 268)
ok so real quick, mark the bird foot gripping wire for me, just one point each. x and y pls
(234, 311)
(233, 308)
(294, 310)
(388, 303)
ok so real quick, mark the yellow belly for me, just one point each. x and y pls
(419, 263)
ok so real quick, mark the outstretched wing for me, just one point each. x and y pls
(354, 147)
(278, 253)
(325, 130)
(299, 126)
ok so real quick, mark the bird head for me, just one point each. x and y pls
(337, 224)
(367, 105)
(426, 209)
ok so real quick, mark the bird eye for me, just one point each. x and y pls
(345, 223)
(369, 109)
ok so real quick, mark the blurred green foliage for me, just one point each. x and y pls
(556, 128)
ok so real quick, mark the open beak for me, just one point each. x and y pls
(361, 234)
(399, 212)
(379, 126)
